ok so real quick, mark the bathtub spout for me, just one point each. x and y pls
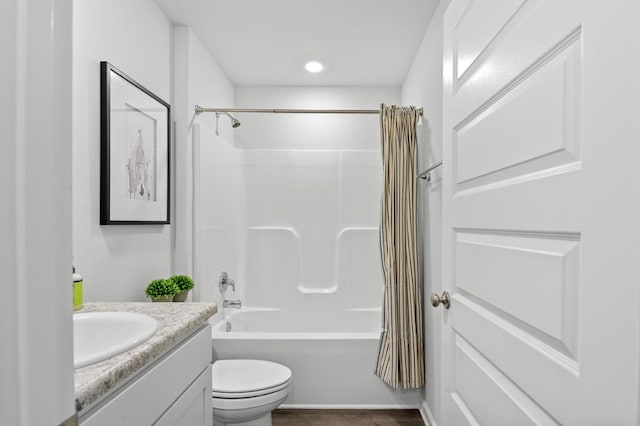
(236, 304)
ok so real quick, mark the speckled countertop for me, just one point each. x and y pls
(176, 321)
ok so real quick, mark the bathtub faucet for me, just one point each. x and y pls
(225, 282)
(236, 304)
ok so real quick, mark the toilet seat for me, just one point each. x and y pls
(252, 394)
(253, 403)
(247, 378)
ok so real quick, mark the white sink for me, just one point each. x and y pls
(101, 335)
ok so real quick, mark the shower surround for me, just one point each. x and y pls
(291, 211)
(295, 229)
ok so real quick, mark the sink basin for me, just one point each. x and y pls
(101, 335)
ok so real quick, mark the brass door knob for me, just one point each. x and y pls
(437, 300)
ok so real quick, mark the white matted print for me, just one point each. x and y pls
(134, 186)
(140, 165)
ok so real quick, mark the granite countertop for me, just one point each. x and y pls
(176, 321)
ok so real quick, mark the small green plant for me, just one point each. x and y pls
(161, 288)
(184, 282)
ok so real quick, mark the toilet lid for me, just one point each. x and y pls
(247, 375)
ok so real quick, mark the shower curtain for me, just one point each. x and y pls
(401, 352)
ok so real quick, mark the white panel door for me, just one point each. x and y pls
(540, 238)
(36, 328)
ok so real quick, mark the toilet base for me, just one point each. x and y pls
(261, 421)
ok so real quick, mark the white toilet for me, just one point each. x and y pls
(246, 391)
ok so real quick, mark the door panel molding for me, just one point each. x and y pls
(541, 213)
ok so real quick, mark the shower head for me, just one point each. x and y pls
(234, 122)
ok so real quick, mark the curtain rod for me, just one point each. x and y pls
(199, 110)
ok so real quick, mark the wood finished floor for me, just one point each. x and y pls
(347, 418)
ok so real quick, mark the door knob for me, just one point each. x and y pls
(437, 300)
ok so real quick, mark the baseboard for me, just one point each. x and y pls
(349, 407)
(427, 415)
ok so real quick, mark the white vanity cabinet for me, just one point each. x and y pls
(173, 390)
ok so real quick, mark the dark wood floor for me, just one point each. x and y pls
(347, 418)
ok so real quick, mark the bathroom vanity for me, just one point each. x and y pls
(163, 381)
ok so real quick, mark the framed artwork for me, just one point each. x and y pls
(134, 152)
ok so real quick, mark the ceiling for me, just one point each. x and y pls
(267, 42)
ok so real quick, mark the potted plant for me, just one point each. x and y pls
(161, 290)
(184, 283)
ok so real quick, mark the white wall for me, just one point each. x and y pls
(116, 261)
(199, 80)
(423, 87)
(292, 210)
(36, 367)
(311, 131)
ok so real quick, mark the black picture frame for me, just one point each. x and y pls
(135, 152)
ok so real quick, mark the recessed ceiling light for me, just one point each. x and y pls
(314, 66)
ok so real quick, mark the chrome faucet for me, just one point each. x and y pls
(235, 304)
(224, 282)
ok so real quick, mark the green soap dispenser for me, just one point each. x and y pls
(77, 290)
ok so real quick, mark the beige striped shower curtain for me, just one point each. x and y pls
(401, 352)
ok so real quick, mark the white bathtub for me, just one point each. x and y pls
(332, 355)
